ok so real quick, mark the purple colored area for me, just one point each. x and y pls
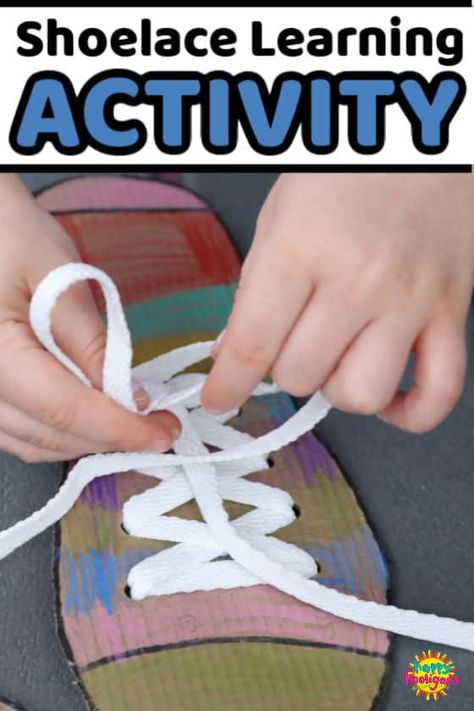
(313, 458)
(101, 492)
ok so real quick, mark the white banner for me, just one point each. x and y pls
(236, 86)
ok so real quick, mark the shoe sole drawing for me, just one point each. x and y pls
(254, 648)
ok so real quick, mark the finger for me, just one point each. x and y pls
(267, 305)
(371, 369)
(24, 428)
(316, 343)
(45, 390)
(439, 373)
(140, 395)
(82, 335)
(80, 332)
(28, 452)
(77, 325)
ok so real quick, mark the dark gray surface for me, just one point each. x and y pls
(417, 492)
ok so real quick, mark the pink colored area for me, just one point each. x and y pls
(257, 611)
(102, 193)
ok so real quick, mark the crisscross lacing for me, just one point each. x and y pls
(215, 552)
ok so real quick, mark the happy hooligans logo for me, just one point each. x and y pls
(431, 675)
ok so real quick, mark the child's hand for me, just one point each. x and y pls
(348, 273)
(46, 414)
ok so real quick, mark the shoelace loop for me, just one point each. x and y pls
(250, 554)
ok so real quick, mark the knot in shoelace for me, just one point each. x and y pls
(215, 552)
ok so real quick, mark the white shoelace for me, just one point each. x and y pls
(245, 550)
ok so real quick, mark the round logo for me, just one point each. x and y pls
(431, 675)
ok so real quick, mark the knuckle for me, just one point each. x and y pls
(28, 455)
(45, 440)
(352, 398)
(291, 381)
(249, 353)
(57, 414)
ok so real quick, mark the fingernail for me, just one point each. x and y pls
(218, 342)
(175, 432)
(214, 411)
(140, 395)
(170, 422)
(162, 445)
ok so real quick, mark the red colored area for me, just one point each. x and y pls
(153, 253)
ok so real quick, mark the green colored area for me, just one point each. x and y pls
(236, 676)
(201, 309)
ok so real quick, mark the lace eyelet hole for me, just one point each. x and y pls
(270, 462)
(296, 510)
(124, 529)
(127, 592)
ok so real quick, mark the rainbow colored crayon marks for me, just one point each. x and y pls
(257, 648)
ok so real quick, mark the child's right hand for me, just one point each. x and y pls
(46, 413)
(348, 274)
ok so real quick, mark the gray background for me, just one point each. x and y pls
(417, 492)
